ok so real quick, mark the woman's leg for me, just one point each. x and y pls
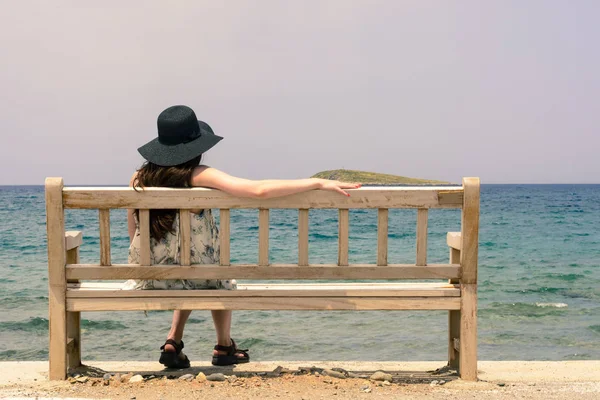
(222, 321)
(180, 317)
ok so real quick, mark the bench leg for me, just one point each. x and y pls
(57, 355)
(453, 333)
(74, 339)
(468, 332)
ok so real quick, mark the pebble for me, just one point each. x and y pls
(433, 383)
(231, 378)
(386, 383)
(365, 389)
(217, 377)
(82, 379)
(381, 376)
(334, 374)
(353, 375)
(106, 377)
(502, 384)
(186, 377)
(136, 379)
(200, 377)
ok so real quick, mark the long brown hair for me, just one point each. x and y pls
(152, 175)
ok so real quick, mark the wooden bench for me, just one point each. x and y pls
(456, 291)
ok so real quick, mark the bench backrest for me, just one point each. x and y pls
(422, 198)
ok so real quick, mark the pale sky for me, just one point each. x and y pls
(505, 90)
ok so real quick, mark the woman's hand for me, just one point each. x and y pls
(337, 186)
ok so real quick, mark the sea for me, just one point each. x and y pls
(539, 283)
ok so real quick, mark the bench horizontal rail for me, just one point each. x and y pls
(199, 198)
(102, 290)
(263, 303)
(253, 271)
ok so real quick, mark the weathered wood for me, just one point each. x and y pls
(382, 236)
(453, 319)
(57, 282)
(468, 332)
(470, 231)
(73, 318)
(280, 290)
(185, 231)
(264, 303)
(302, 237)
(224, 236)
(450, 197)
(453, 335)
(263, 237)
(253, 271)
(73, 239)
(343, 230)
(453, 240)
(199, 198)
(144, 220)
(104, 217)
(422, 216)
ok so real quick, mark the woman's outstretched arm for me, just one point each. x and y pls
(212, 178)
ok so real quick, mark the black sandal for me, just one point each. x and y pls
(171, 359)
(232, 355)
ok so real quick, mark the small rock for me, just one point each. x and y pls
(106, 377)
(71, 380)
(353, 375)
(200, 377)
(231, 378)
(136, 379)
(82, 379)
(186, 377)
(132, 398)
(217, 377)
(334, 374)
(126, 377)
(502, 384)
(441, 382)
(386, 383)
(317, 373)
(433, 383)
(365, 389)
(381, 376)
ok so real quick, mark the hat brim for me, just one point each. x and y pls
(170, 155)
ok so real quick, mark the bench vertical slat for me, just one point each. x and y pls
(343, 230)
(263, 237)
(303, 237)
(224, 237)
(382, 236)
(104, 220)
(453, 318)
(57, 283)
(422, 217)
(185, 229)
(144, 217)
(74, 320)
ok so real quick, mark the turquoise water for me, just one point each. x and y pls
(539, 291)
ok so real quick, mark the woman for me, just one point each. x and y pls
(173, 160)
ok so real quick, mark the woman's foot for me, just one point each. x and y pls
(172, 356)
(229, 355)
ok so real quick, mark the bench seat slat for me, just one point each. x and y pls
(100, 290)
(253, 271)
(263, 303)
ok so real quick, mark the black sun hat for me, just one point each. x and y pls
(181, 138)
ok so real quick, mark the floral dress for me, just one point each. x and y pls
(205, 249)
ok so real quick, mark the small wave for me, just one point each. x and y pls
(595, 328)
(555, 305)
(321, 236)
(102, 325)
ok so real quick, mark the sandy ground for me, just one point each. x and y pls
(415, 380)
